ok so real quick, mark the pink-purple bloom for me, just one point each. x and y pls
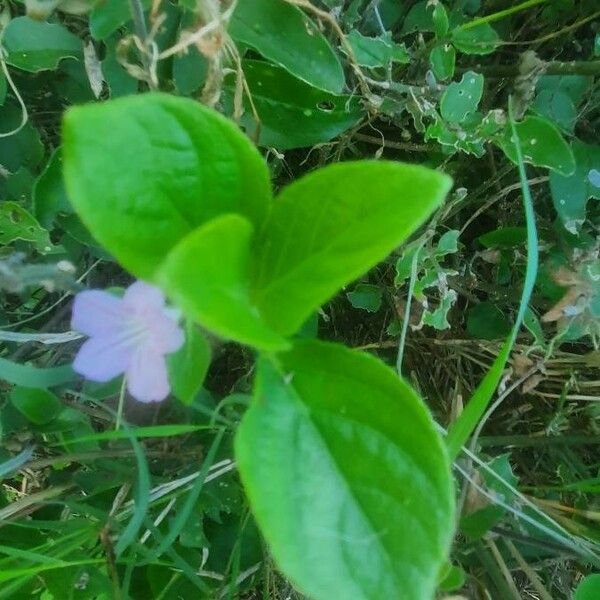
(129, 335)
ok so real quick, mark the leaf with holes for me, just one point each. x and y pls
(16, 223)
(378, 51)
(461, 99)
(346, 475)
(283, 34)
(542, 145)
(292, 113)
(570, 194)
(37, 46)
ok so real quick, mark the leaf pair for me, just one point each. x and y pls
(185, 201)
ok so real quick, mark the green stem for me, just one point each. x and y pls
(500, 14)
(121, 403)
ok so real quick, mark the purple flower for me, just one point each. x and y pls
(128, 335)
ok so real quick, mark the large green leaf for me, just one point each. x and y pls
(588, 589)
(346, 476)
(571, 194)
(37, 45)
(285, 35)
(168, 165)
(292, 113)
(331, 226)
(206, 274)
(542, 144)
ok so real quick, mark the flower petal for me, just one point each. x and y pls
(103, 358)
(165, 335)
(147, 378)
(142, 296)
(98, 313)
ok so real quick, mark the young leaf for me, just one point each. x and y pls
(376, 51)
(206, 274)
(346, 476)
(292, 113)
(283, 34)
(442, 60)
(185, 163)
(542, 144)
(36, 45)
(481, 39)
(331, 226)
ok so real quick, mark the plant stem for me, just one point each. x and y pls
(139, 23)
(500, 14)
(582, 67)
(121, 402)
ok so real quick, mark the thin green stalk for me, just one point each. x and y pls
(121, 403)
(411, 288)
(467, 422)
(501, 14)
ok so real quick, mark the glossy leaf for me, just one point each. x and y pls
(570, 194)
(292, 113)
(331, 226)
(542, 144)
(206, 274)
(191, 165)
(283, 34)
(37, 46)
(346, 476)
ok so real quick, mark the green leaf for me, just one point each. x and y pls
(22, 149)
(504, 237)
(481, 39)
(206, 274)
(588, 589)
(440, 20)
(557, 107)
(542, 144)
(36, 45)
(346, 476)
(49, 194)
(283, 34)
(188, 165)
(486, 321)
(442, 60)
(570, 194)
(292, 113)
(462, 98)
(376, 51)
(18, 224)
(108, 15)
(37, 405)
(331, 226)
(448, 243)
(189, 365)
(27, 375)
(366, 297)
